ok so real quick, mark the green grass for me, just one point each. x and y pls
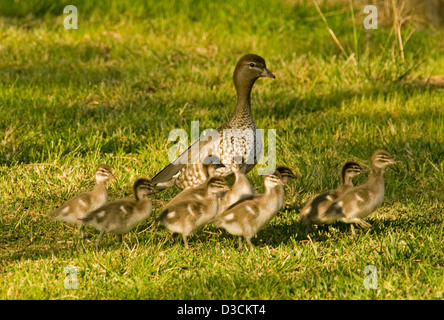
(111, 91)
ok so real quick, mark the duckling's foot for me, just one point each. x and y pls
(363, 224)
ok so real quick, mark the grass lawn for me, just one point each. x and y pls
(111, 91)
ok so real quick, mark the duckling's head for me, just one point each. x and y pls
(143, 187)
(273, 180)
(103, 173)
(248, 69)
(382, 159)
(351, 169)
(285, 174)
(218, 186)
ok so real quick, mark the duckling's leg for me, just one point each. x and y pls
(240, 243)
(249, 242)
(352, 228)
(119, 238)
(99, 238)
(307, 227)
(358, 221)
(185, 241)
(82, 231)
(307, 223)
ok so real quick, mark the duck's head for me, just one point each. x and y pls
(104, 173)
(143, 187)
(248, 69)
(382, 159)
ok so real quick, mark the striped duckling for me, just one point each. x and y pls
(314, 210)
(246, 218)
(357, 203)
(86, 202)
(187, 216)
(121, 216)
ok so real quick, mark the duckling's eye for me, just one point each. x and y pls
(251, 65)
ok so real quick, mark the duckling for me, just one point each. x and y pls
(121, 216)
(285, 175)
(187, 216)
(356, 203)
(185, 171)
(84, 203)
(199, 192)
(314, 210)
(241, 189)
(247, 217)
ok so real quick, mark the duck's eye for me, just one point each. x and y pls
(251, 65)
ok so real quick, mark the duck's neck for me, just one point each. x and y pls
(376, 178)
(347, 180)
(242, 113)
(244, 98)
(271, 203)
(142, 203)
(100, 187)
(272, 194)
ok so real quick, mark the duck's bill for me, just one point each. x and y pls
(267, 73)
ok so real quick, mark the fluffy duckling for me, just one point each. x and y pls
(358, 202)
(247, 217)
(79, 206)
(187, 216)
(241, 188)
(285, 175)
(121, 216)
(314, 210)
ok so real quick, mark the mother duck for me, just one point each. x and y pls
(236, 141)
